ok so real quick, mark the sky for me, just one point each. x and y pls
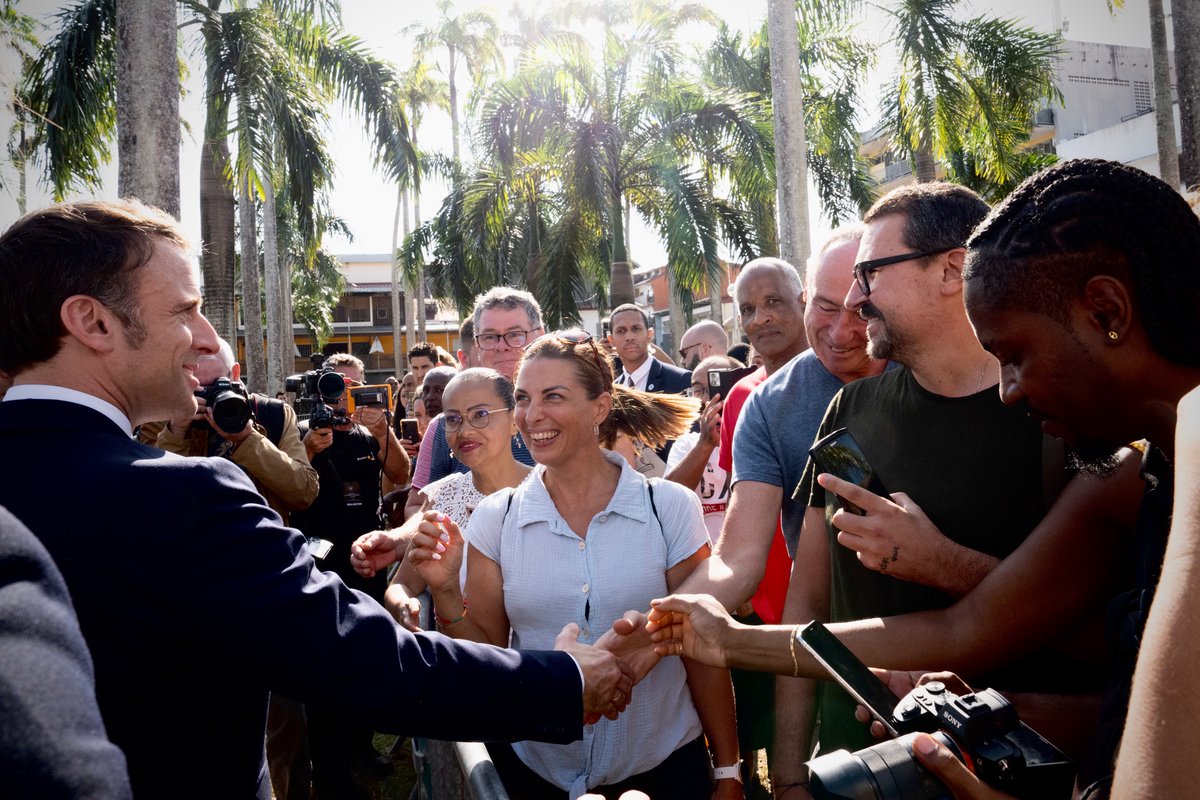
(368, 203)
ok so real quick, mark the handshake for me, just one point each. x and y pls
(429, 548)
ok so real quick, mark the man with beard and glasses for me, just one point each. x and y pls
(966, 469)
(1085, 285)
(703, 340)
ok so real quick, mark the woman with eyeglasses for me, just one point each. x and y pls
(478, 416)
(584, 539)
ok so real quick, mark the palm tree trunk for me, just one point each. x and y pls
(397, 347)
(419, 288)
(289, 338)
(678, 315)
(22, 162)
(791, 149)
(1186, 23)
(277, 355)
(217, 236)
(1164, 111)
(620, 279)
(715, 289)
(453, 109)
(255, 366)
(148, 103)
(924, 165)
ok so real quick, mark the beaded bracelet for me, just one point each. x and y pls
(445, 622)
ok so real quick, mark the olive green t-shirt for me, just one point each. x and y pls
(972, 464)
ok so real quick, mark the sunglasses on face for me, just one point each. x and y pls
(864, 269)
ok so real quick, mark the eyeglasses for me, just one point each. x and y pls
(490, 341)
(477, 417)
(863, 269)
(683, 351)
(575, 336)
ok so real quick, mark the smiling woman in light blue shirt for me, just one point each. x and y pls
(585, 539)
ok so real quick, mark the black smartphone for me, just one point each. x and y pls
(850, 673)
(838, 454)
(720, 381)
(408, 430)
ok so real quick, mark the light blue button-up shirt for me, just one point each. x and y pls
(552, 577)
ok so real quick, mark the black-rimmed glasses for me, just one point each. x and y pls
(864, 269)
(475, 417)
(490, 341)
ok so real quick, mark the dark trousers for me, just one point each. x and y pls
(685, 775)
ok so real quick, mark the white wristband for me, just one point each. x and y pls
(733, 771)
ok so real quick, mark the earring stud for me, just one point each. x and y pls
(1114, 335)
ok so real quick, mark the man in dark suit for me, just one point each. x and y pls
(194, 599)
(630, 334)
(52, 741)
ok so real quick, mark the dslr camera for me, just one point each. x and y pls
(981, 728)
(316, 388)
(229, 402)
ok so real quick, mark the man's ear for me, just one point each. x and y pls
(1109, 306)
(952, 268)
(90, 321)
(236, 373)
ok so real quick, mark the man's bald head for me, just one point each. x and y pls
(704, 339)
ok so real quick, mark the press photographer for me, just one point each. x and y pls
(255, 432)
(352, 453)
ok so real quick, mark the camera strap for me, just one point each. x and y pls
(269, 414)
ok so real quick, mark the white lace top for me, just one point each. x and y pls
(455, 496)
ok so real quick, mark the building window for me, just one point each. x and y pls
(1142, 97)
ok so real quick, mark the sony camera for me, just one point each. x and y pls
(229, 402)
(981, 728)
(317, 388)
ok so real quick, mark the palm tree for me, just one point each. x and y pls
(1164, 112)
(572, 140)
(17, 33)
(271, 68)
(1185, 23)
(419, 90)
(790, 145)
(471, 36)
(965, 86)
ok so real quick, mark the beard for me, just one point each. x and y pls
(1100, 460)
(885, 344)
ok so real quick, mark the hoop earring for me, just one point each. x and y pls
(596, 430)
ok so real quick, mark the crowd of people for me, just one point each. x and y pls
(615, 553)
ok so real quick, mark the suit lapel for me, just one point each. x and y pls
(652, 378)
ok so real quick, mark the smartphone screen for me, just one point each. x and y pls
(838, 454)
(408, 430)
(850, 673)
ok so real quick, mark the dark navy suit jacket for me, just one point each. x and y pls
(196, 601)
(52, 741)
(667, 379)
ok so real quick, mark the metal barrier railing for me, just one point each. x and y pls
(482, 781)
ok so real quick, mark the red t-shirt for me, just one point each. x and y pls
(772, 590)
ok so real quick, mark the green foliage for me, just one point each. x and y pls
(966, 90)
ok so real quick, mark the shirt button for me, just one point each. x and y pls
(585, 588)
(586, 633)
(602, 518)
(582, 545)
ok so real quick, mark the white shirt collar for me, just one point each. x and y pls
(641, 374)
(38, 391)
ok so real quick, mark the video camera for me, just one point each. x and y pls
(317, 387)
(229, 402)
(981, 728)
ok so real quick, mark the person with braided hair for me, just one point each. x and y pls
(1084, 284)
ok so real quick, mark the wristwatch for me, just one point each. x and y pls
(732, 771)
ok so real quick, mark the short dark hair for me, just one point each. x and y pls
(630, 307)
(1087, 217)
(937, 216)
(426, 349)
(94, 249)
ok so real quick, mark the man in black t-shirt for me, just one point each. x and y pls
(966, 468)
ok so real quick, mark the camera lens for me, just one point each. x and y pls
(331, 385)
(886, 771)
(230, 411)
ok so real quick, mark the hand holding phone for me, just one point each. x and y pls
(839, 455)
